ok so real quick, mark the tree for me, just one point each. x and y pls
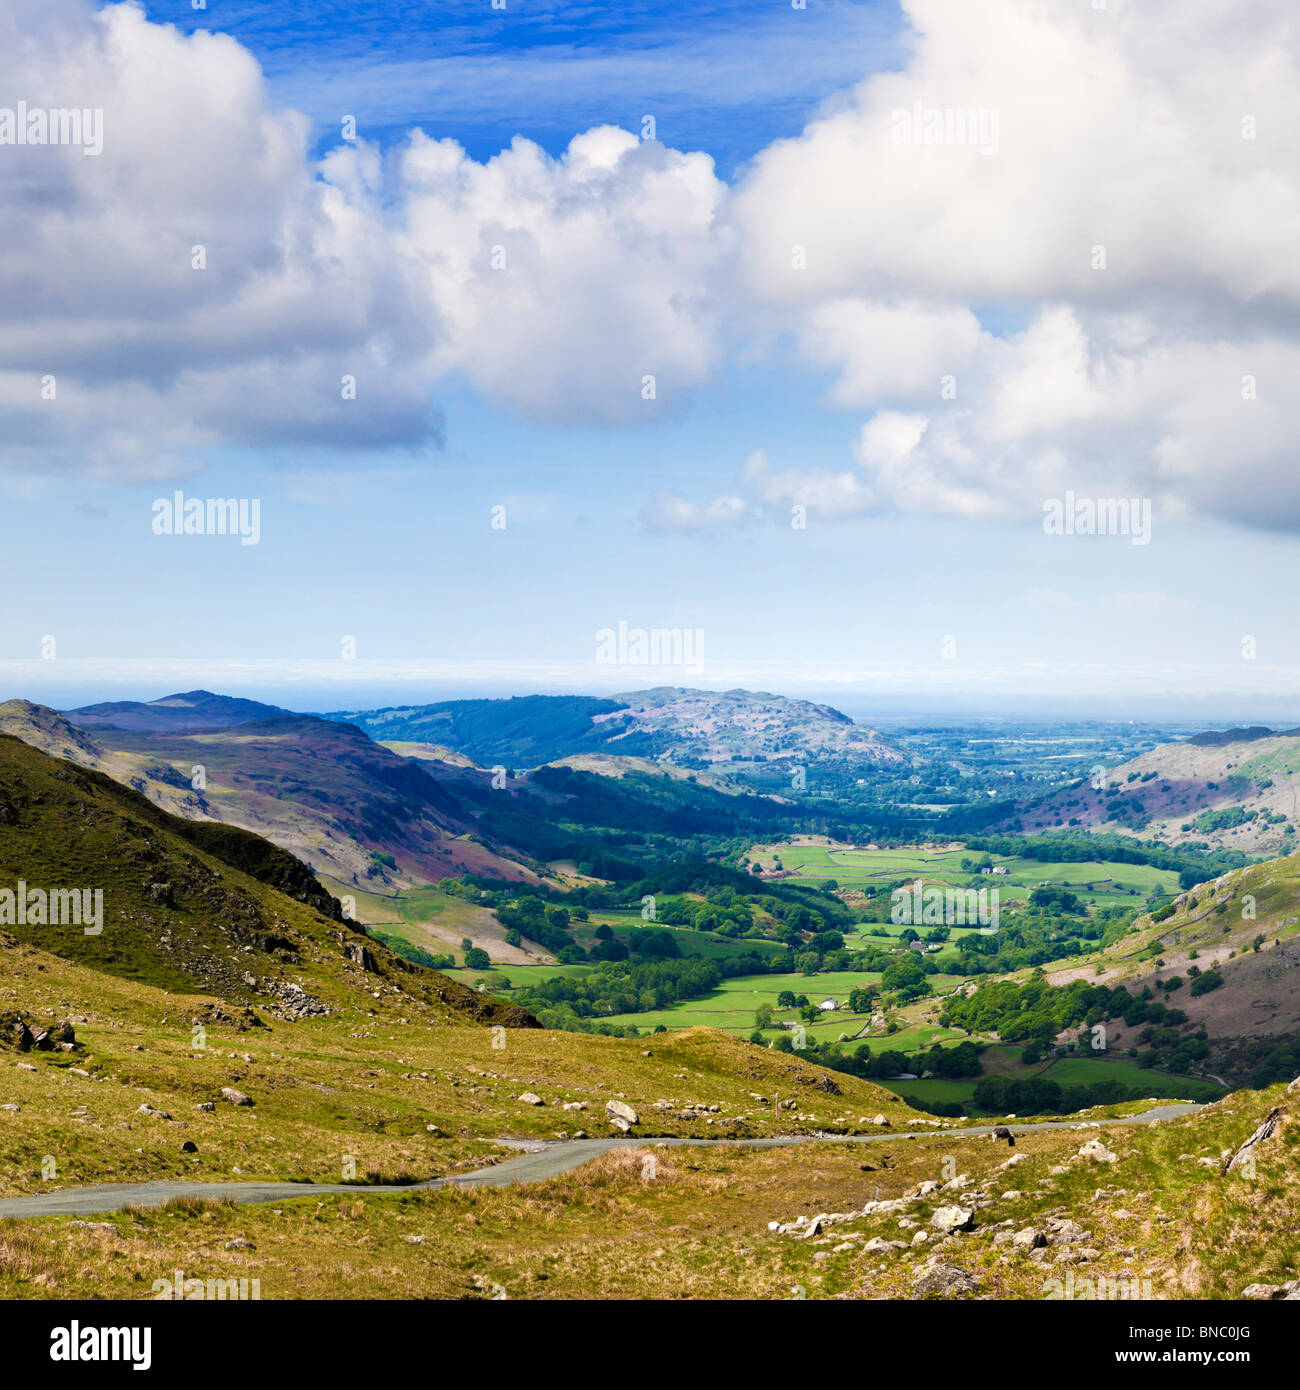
(763, 1016)
(861, 998)
(786, 999)
(906, 976)
(477, 959)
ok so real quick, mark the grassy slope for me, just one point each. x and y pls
(692, 1223)
(1261, 993)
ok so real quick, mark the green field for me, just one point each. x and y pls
(732, 1005)
(1096, 883)
(1065, 1071)
(520, 975)
(1081, 1071)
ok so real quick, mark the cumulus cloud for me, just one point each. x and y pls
(1120, 180)
(577, 289)
(197, 282)
(789, 495)
(202, 281)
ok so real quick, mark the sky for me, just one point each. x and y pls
(787, 332)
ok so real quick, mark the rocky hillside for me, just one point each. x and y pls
(689, 728)
(1239, 789)
(1242, 930)
(186, 906)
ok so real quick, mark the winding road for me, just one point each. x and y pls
(536, 1161)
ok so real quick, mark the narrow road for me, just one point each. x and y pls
(546, 1159)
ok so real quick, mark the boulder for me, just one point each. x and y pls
(235, 1097)
(952, 1218)
(147, 1109)
(531, 1098)
(1097, 1152)
(1265, 1131)
(360, 955)
(945, 1280)
(14, 1032)
(1028, 1239)
(620, 1110)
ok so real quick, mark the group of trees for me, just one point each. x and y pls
(626, 987)
(1036, 1013)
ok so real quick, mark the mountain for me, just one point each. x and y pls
(187, 906)
(1236, 789)
(318, 788)
(187, 713)
(734, 729)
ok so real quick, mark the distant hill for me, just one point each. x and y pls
(187, 713)
(318, 788)
(1236, 789)
(689, 728)
(189, 906)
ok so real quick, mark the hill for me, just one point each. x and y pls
(734, 729)
(188, 712)
(105, 879)
(1237, 789)
(318, 788)
(1242, 931)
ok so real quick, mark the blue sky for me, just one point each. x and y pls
(917, 588)
(723, 76)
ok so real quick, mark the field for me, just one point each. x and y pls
(1099, 884)
(1065, 1071)
(732, 1005)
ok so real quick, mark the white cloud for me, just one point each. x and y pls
(1119, 131)
(151, 358)
(359, 267)
(566, 282)
(669, 511)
